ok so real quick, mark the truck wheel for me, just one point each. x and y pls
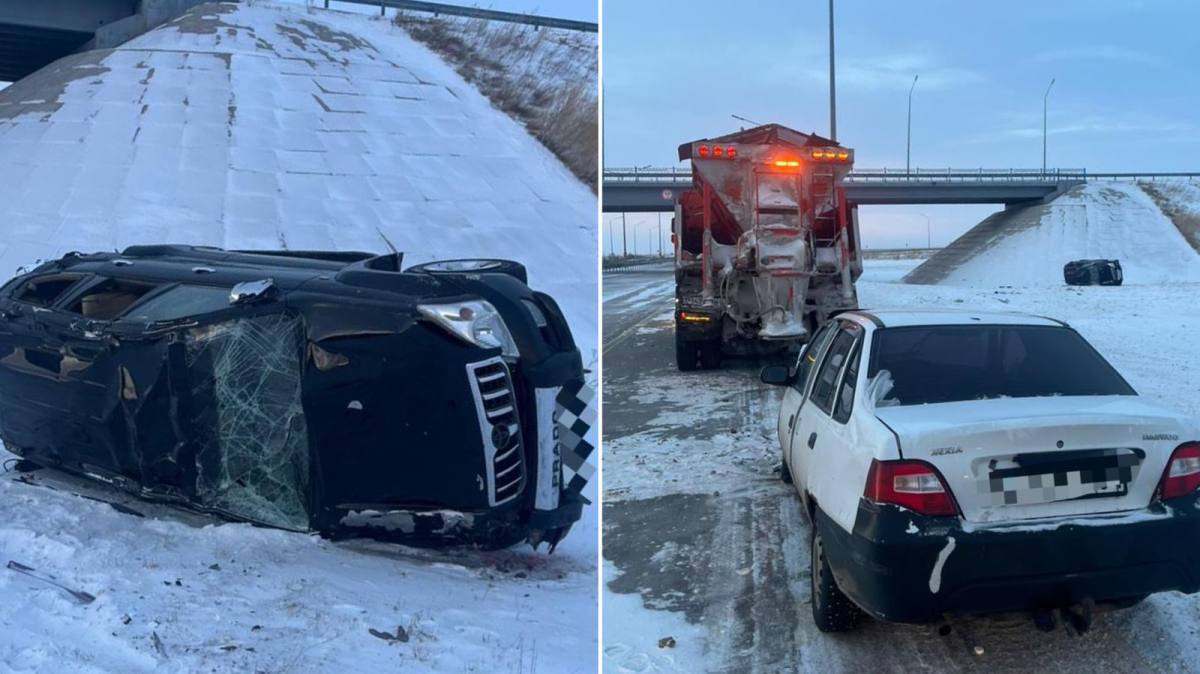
(831, 609)
(686, 355)
(710, 354)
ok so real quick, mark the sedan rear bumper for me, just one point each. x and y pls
(903, 567)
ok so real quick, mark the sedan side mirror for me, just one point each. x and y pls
(776, 375)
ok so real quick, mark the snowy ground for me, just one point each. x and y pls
(260, 126)
(227, 597)
(704, 544)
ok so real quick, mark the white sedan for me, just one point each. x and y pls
(959, 462)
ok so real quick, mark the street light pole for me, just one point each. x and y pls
(660, 252)
(832, 88)
(1045, 100)
(624, 238)
(908, 143)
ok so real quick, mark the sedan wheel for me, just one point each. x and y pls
(832, 610)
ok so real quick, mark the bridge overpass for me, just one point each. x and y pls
(35, 33)
(653, 190)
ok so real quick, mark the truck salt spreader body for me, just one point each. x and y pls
(766, 246)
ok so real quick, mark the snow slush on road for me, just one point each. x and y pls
(311, 391)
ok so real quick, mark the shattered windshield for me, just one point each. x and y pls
(252, 441)
(948, 363)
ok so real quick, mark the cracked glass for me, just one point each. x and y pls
(248, 423)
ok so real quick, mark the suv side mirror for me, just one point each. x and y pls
(248, 292)
(776, 375)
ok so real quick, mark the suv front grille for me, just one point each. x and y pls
(496, 403)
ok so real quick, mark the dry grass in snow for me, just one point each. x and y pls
(546, 78)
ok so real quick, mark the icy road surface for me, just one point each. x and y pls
(704, 544)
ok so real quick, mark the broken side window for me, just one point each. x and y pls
(179, 302)
(247, 421)
(44, 291)
(107, 299)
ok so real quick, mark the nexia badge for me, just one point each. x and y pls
(1160, 436)
(942, 451)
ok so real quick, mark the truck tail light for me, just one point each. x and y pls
(830, 154)
(731, 152)
(915, 485)
(703, 151)
(718, 151)
(1182, 475)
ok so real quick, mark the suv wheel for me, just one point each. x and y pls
(831, 609)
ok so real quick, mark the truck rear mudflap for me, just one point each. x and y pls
(899, 566)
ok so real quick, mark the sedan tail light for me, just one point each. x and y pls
(1182, 475)
(915, 485)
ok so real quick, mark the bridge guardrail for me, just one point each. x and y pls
(437, 8)
(684, 176)
(612, 264)
(878, 175)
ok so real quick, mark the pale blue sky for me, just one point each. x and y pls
(1127, 95)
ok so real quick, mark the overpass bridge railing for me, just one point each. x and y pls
(900, 176)
(684, 175)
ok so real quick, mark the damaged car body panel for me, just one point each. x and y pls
(330, 392)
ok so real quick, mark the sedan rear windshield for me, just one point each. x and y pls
(949, 363)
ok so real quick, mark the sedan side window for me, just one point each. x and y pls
(808, 357)
(827, 376)
(845, 398)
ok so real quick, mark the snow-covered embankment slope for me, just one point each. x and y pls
(259, 126)
(1029, 246)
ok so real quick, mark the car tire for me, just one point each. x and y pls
(710, 354)
(687, 356)
(493, 266)
(785, 473)
(831, 609)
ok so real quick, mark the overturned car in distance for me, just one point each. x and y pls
(312, 391)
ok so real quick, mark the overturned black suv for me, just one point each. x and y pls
(313, 391)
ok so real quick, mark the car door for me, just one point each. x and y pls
(793, 395)
(812, 435)
(797, 394)
(33, 366)
(830, 439)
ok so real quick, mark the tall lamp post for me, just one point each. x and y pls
(832, 88)
(928, 231)
(1045, 103)
(908, 143)
(660, 248)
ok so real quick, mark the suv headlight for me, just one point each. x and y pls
(475, 322)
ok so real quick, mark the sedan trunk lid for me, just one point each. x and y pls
(1009, 459)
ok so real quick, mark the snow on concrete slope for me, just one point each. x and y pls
(1179, 200)
(261, 126)
(276, 126)
(1096, 220)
